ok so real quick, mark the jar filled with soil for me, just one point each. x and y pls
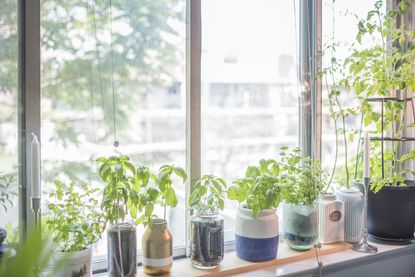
(122, 250)
(207, 239)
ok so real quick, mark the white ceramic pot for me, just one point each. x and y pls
(331, 219)
(353, 213)
(78, 264)
(256, 239)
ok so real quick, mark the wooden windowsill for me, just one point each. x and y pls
(232, 265)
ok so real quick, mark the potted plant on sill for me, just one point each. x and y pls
(258, 194)
(303, 183)
(385, 74)
(75, 225)
(157, 241)
(6, 192)
(206, 225)
(119, 200)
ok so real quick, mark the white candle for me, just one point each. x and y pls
(35, 147)
(366, 156)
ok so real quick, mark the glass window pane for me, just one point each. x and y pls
(249, 86)
(9, 210)
(93, 77)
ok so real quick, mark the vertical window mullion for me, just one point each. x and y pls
(28, 99)
(310, 107)
(193, 97)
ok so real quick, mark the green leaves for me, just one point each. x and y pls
(73, 219)
(208, 194)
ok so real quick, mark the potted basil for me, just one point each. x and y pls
(119, 200)
(382, 77)
(75, 225)
(206, 224)
(259, 194)
(302, 187)
(157, 241)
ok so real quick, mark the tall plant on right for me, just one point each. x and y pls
(382, 78)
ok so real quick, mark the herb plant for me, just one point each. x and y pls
(386, 69)
(159, 192)
(6, 181)
(74, 222)
(302, 177)
(260, 188)
(208, 194)
(122, 188)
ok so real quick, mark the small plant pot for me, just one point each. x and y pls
(300, 224)
(157, 246)
(353, 201)
(122, 250)
(77, 264)
(207, 235)
(256, 239)
(391, 213)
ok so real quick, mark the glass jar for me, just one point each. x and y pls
(122, 250)
(207, 239)
(300, 224)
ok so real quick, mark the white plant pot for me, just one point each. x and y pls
(331, 219)
(353, 213)
(256, 239)
(78, 264)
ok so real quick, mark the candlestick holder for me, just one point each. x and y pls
(363, 246)
(36, 209)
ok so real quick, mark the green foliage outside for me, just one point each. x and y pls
(74, 221)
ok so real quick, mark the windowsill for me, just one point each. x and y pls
(289, 262)
(232, 265)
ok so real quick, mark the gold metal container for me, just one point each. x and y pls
(157, 246)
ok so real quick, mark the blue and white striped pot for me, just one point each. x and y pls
(256, 238)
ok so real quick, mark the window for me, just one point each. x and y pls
(249, 86)
(113, 73)
(9, 208)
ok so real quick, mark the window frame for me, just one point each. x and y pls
(29, 97)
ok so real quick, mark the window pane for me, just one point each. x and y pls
(249, 91)
(145, 70)
(9, 210)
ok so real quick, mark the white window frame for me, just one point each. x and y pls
(29, 96)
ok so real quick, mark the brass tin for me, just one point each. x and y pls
(157, 246)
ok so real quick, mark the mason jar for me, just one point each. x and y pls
(207, 239)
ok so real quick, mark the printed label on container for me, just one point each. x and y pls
(157, 262)
(335, 216)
